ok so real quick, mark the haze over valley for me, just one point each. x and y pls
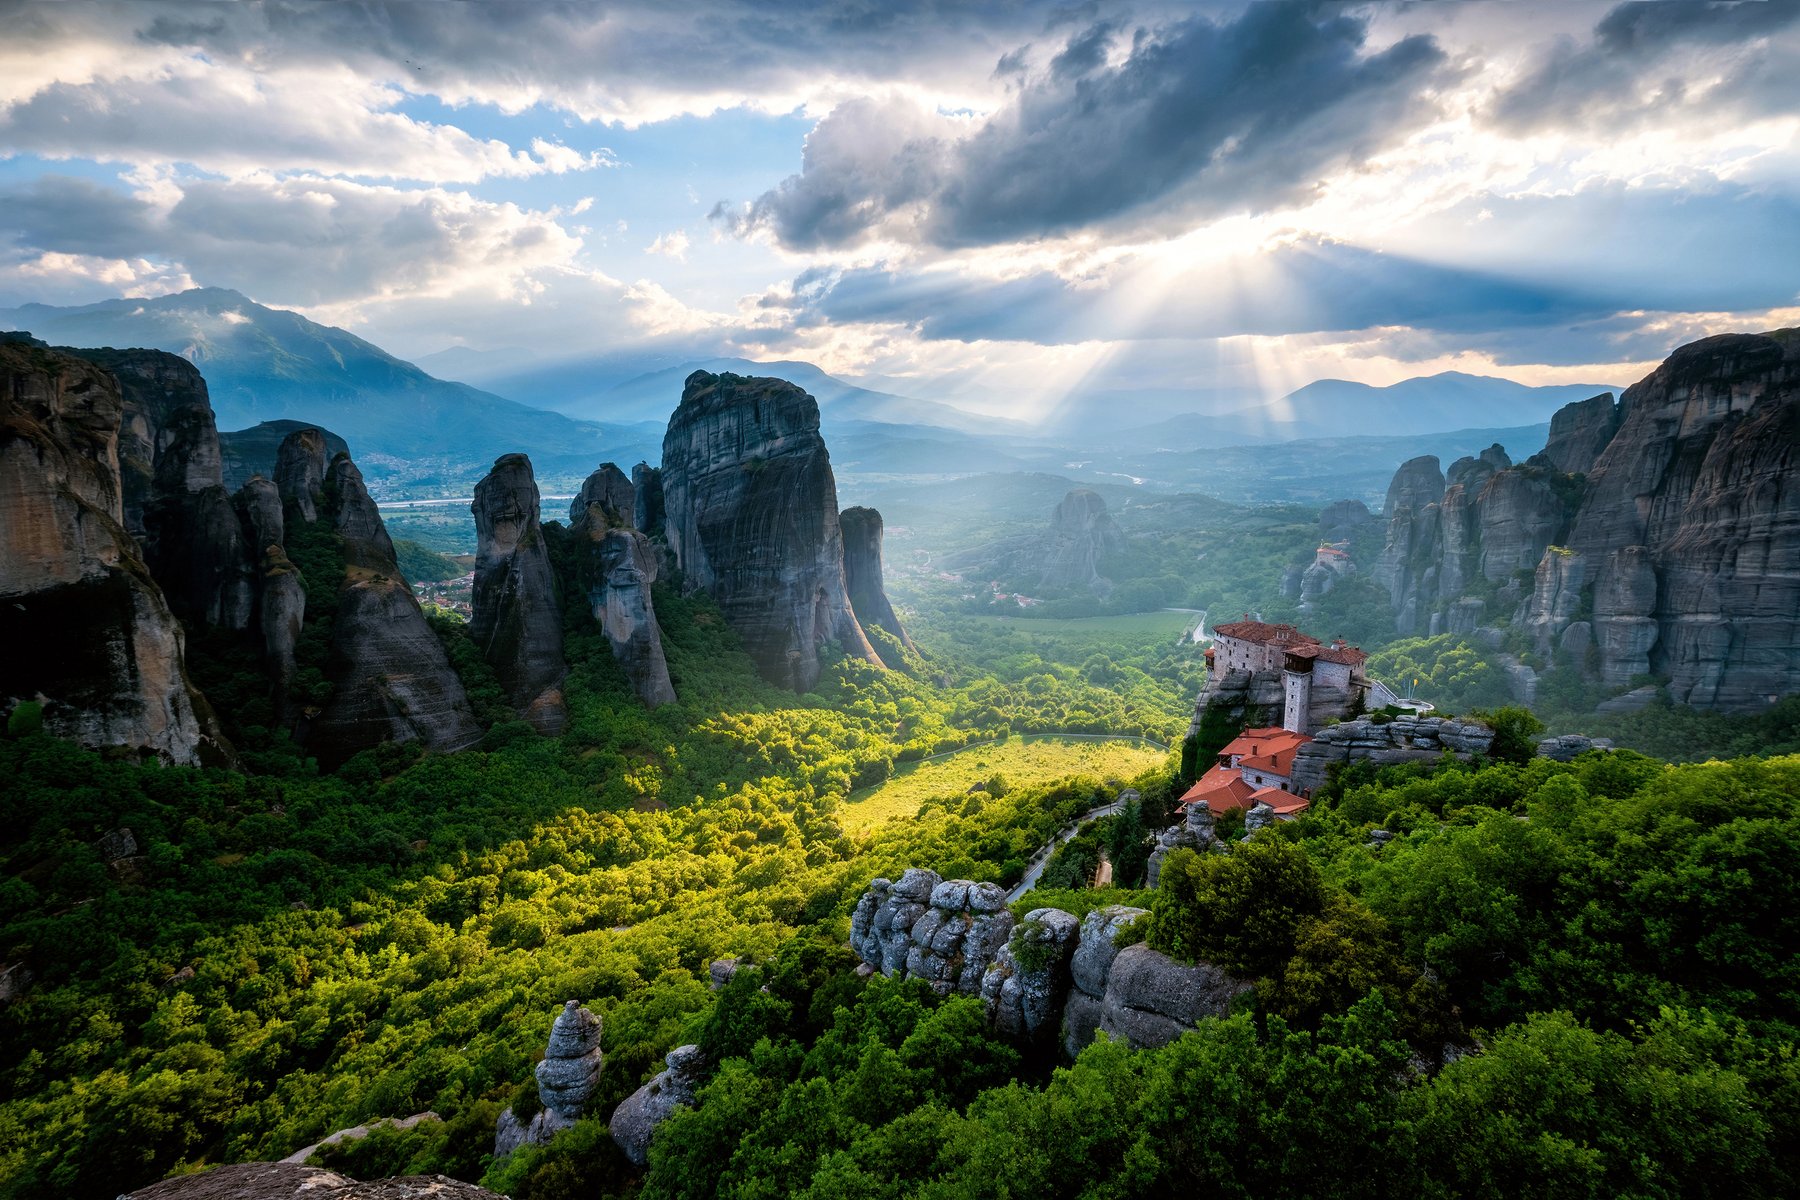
(899, 600)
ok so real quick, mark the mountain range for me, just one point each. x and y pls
(421, 436)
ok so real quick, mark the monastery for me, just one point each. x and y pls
(1258, 664)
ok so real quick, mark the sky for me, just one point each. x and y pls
(1020, 207)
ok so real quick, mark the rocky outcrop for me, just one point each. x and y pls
(616, 565)
(1048, 980)
(1151, 999)
(300, 472)
(1193, 832)
(1403, 739)
(289, 1181)
(863, 574)
(88, 632)
(1084, 1011)
(1409, 564)
(173, 491)
(1693, 509)
(1569, 746)
(280, 592)
(566, 1080)
(1083, 536)
(517, 617)
(1579, 432)
(634, 1122)
(1341, 520)
(392, 680)
(752, 518)
(924, 927)
(245, 453)
(1663, 531)
(647, 489)
(1026, 984)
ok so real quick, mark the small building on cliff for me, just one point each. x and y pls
(1313, 681)
(1256, 767)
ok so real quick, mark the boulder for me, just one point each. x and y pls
(290, 1181)
(1026, 984)
(634, 1122)
(1151, 999)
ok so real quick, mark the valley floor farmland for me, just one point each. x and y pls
(1022, 761)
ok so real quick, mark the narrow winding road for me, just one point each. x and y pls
(1042, 858)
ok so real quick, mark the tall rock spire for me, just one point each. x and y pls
(517, 622)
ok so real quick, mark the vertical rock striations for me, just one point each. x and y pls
(863, 573)
(517, 621)
(173, 489)
(752, 518)
(87, 631)
(391, 678)
(280, 593)
(616, 565)
(646, 482)
(1662, 533)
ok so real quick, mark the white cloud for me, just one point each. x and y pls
(672, 245)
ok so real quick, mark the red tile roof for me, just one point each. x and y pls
(1262, 633)
(1285, 804)
(1223, 788)
(1262, 748)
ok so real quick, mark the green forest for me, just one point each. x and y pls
(1543, 979)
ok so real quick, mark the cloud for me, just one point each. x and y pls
(1652, 62)
(296, 240)
(1158, 127)
(671, 245)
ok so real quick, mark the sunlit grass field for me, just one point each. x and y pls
(1024, 761)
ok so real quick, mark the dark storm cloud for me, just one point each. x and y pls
(1308, 287)
(1169, 124)
(1646, 59)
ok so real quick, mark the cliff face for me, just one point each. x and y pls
(646, 482)
(280, 594)
(1692, 515)
(392, 680)
(1083, 537)
(863, 574)
(173, 489)
(517, 622)
(752, 518)
(1662, 532)
(87, 630)
(616, 566)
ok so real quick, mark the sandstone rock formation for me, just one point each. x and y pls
(566, 1080)
(392, 680)
(1340, 520)
(616, 566)
(634, 1122)
(1579, 432)
(752, 518)
(517, 618)
(246, 453)
(87, 630)
(289, 1181)
(173, 490)
(1673, 518)
(1083, 537)
(280, 593)
(646, 483)
(863, 575)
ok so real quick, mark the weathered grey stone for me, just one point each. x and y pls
(1094, 955)
(1025, 986)
(752, 517)
(634, 1122)
(290, 1181)
(517, 621)
(1151, 999)
(1260, 816)
(571, 1068)
(1569, 746)
(116, 844)
(721, 972)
